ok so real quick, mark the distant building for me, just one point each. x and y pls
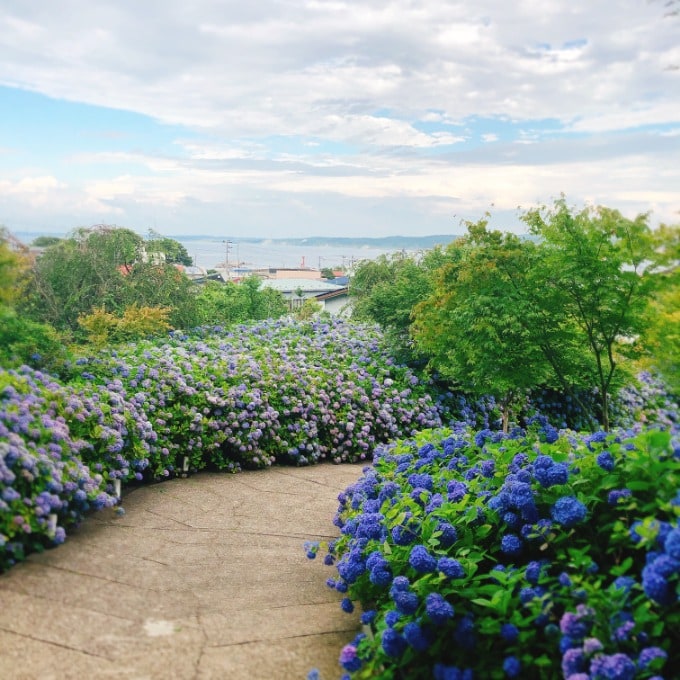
(331, 297)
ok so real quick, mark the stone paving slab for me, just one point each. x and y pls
(203, 578)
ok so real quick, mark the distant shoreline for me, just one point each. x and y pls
(396, 242)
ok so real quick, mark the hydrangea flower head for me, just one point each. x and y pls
(421, 560)
(613, 667)
(568, 511)
(438, 609)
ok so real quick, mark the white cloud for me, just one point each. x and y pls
(359, 75)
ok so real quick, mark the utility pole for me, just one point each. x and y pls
(227, 243)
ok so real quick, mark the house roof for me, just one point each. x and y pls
(333, 294)
(305, 285)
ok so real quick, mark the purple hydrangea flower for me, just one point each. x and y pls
(349, 659)
(613, 667)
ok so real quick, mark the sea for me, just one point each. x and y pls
(252, 254)
(210, 252)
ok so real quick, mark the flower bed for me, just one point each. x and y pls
(44, 485)
(494, 556)
(274, 392)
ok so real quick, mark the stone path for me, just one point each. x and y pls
(203, 578)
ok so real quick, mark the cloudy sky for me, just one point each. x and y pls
(324, 117)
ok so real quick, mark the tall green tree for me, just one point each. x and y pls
(472, 325)
(79, 273)
(597, 270)
(102, 268)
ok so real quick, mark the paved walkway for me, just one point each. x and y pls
(203, 578)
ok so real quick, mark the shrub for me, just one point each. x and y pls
(505, 556)
(44, 485)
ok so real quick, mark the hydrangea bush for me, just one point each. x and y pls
(274, 392)
(44, 485)
(507, 556)
(279, 391)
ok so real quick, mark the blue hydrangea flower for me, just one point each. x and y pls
(450, 567)
(606, 461)
(416, 637)
(533, 572)
(421, 560)
(392, 617)
(438, 609)
(672, 543)
(512, 666)
(400, 583)
(449, 534)
(509, 632)
(511, 544)
(393, 642)
(368, 617)
(568, 511)
(347, 605)
(405, 601)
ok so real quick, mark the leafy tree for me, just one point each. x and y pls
(327, 273)
(229, 303)
(174, 251)
(22, 341)
(100, 268)
(472, 325)
(308, 310)
(78, 274)
(597, 271)
(386, 290)
(12, 265)
(162, 285)
(45, 241)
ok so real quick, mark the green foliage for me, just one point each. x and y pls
(663, 334)
(100, 269)
(597, 271)
(78, 274)
(162, 286)
(174, 251)
(309, 309)
(23, 341)
(136, 323)
(230, 303)
(475, 325)
(45, 241)
(385, 291)
(12, 265)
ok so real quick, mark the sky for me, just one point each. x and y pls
(282, 118)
